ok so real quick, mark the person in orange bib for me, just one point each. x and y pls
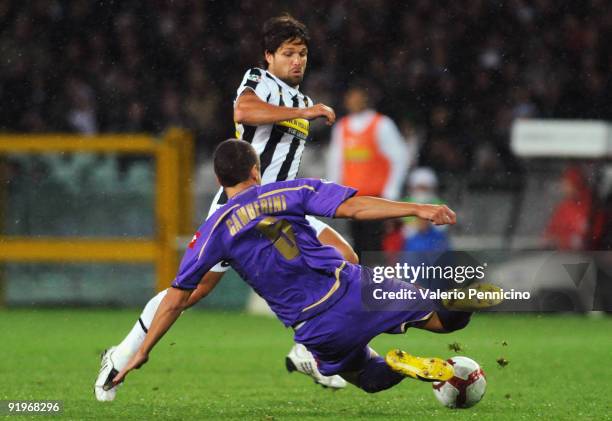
(368, 153)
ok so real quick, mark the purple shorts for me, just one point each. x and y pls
(338, 338)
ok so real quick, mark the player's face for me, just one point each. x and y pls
(288, 63)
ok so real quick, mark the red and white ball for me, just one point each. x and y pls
(466, 388)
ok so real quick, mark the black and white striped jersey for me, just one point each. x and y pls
(279, 145)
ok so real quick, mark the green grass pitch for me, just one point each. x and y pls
(222, 366)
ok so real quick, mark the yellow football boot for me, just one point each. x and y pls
(424, 369)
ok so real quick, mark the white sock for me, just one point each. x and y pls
(130, 344)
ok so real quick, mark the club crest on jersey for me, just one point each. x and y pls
(194, 239)
(254, 77)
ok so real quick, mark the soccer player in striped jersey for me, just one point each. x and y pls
(274, 116)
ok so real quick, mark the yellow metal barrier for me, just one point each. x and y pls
(173, 154)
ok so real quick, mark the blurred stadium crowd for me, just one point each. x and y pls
(453, 75)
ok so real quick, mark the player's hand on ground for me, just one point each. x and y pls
(320, 110)
(437, 214)
(137, 361)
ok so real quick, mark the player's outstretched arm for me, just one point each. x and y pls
(251, 110)
(369, 208)
(169, 310)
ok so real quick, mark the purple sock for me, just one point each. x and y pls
(377, 376)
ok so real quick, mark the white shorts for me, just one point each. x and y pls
(316, 224)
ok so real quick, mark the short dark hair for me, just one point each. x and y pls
(280, 29)
(233, 160)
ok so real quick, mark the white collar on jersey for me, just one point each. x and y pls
(284, 84)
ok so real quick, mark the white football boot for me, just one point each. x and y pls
(301, 360)
(103, 387)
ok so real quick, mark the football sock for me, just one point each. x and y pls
(377, 376)
(128, 347)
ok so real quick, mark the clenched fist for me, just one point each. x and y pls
(320, 110)
(437, 214)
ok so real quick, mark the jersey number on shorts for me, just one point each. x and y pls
(280, 233)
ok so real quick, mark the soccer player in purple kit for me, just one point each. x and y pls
(262, 232)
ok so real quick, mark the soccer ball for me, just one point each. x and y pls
(466, 388)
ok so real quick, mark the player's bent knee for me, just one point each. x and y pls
(348, 253)
(328, 236)
(453, 320)
(351, 256)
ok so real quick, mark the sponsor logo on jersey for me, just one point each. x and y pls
(298, 127)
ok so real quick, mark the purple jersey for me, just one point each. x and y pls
(262, 233)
